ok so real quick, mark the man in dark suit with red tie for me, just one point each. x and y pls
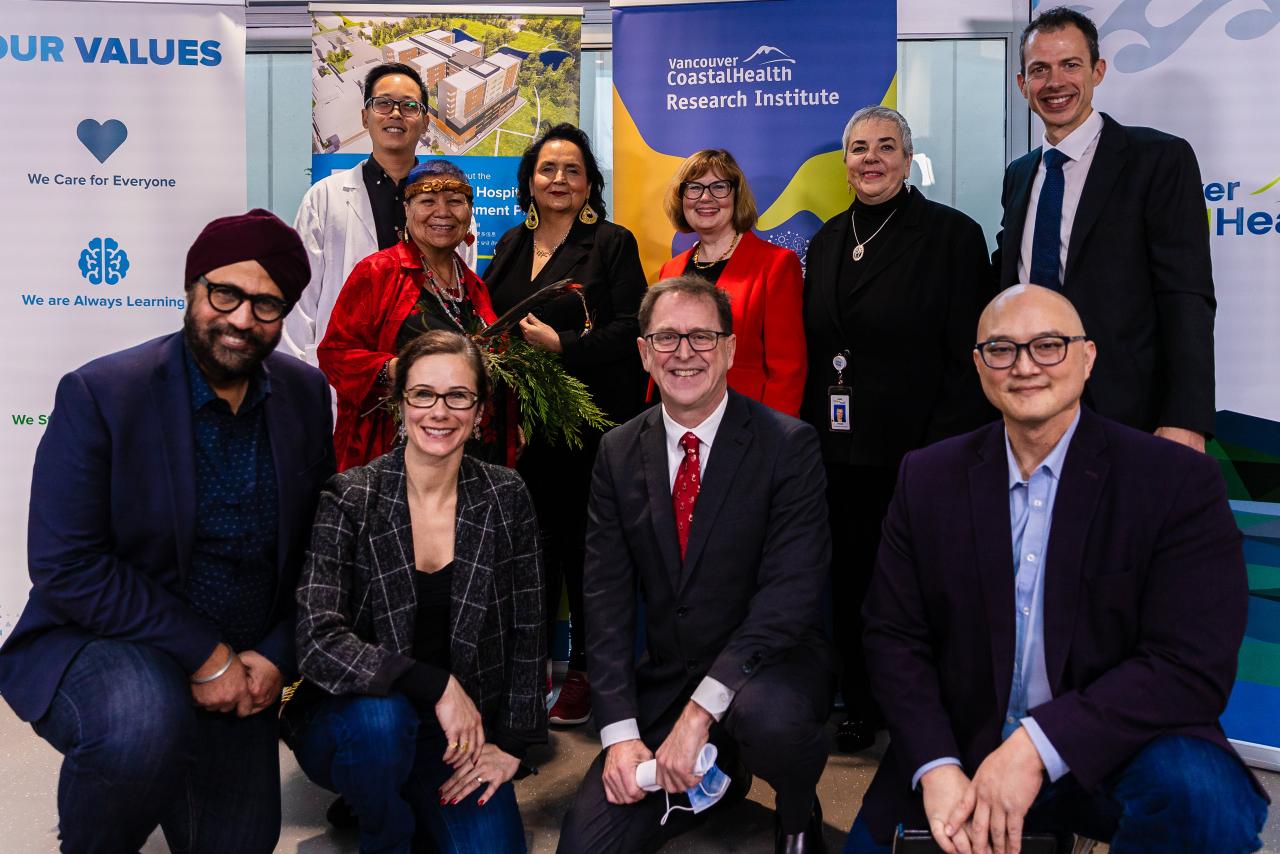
(1113, 217)
(712, 507)
(1054, 620)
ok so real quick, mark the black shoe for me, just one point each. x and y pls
(340, 815)
(807, 841)
(855, 734)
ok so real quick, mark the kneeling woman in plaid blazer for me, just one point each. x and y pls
(420, 625)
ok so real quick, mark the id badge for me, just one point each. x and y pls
(838, 408)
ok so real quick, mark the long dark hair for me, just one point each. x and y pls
(529, 162)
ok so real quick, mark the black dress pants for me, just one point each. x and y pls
(857, 498)
(775, 728)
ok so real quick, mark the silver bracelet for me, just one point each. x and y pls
(231, 656)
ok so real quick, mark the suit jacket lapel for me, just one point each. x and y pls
(731, 442)
(472, 568)
(1084, 473)
(1104, 171)
(989, 501)
(579, 242)
(653, 455)
(171, 396)
(828, 280)
(280, 414)
(392, 544)
(357, 198)
(1016, 216)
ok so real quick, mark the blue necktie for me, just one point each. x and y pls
(1046, 240)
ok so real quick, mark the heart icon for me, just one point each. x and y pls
(102, 139)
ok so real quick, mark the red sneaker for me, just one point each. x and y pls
(573, 706)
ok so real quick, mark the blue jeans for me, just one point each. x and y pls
(385, 760)
(137, 753)
(1178, 794)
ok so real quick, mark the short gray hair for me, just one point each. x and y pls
(888, 114)
(692, 286)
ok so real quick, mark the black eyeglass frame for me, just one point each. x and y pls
(686, 186)
(393, 105)
(1067, 341)
(256, 301)
(470, 396)
(686, 336)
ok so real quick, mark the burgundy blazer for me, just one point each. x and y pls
(1144, 607)
(766, 287)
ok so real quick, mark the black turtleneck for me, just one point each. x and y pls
(386, 199)
(867, 220)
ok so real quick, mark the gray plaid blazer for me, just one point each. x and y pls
(356, 598)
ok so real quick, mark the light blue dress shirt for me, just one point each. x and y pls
(1030, 520)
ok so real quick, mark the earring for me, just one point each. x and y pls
(587, 216)
(475, 430)
(531, 217)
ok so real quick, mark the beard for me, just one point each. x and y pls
(221, 364)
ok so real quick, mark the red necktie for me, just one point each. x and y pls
(685, 494)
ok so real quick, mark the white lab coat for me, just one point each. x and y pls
(335, 222)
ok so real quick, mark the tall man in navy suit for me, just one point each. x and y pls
(713, 507)
(1054, 620)
(171, 502)
(1113, 216)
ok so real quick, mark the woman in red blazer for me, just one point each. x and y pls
(709, 196)
(392, 297)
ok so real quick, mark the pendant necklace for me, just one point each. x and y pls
(860, 249)
(547, 253)
(450, 299)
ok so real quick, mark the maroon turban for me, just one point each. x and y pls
(258, 236)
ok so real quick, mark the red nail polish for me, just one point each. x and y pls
(443, 802)
(482, 802)
(455, 801)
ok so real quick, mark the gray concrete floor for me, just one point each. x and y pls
(29, 771)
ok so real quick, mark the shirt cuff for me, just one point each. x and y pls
(929, 766)
(619, 731)
(713, 696)
(1053, 764)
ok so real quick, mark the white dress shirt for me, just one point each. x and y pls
(1079, 147)
(710, 694)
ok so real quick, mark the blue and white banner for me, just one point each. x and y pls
(126, 134)
(772, 81)
(1198, 70)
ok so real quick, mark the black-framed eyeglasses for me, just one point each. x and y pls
(1045, 350)
(699, 339)
(227, 298)
(421, 397)
(693, 190)
(410, 108)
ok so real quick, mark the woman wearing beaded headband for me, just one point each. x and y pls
(566, 235)
(893, 289)
(709, 197)
(392, 297)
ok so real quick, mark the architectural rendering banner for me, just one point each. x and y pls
(495, 77)
(772, 81)
(126, 135)
(1179, 66)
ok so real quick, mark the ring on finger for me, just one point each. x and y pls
(479, 779)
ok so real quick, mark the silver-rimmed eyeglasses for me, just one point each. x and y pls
(699, 339)
(382, 105)
(421, 397)
(1045, 350)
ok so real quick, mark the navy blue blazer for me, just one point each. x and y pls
(1138, 271)
(1144, 607)
(113, 515)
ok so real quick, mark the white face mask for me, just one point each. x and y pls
(708, 791)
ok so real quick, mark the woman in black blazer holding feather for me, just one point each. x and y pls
(420, 625)
(893, 289)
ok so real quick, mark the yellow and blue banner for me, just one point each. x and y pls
(772, 81)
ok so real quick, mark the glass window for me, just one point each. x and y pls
(278, 130)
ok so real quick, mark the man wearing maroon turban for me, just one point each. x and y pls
(171, 503)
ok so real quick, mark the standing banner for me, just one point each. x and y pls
(495, 77)
(1195, 55)
(772, 81)
(126, 135)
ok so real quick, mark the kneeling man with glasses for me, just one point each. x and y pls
(1053, 622)
(171, 505)
(711, 508)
